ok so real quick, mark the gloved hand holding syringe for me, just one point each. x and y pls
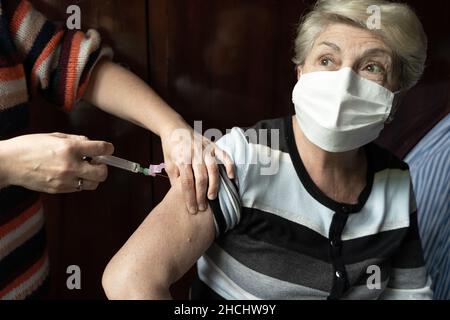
(152, 170)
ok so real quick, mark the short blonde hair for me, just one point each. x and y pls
(400, 29)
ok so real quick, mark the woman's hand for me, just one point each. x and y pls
(192, 157)
(118, 91)
(52, 163)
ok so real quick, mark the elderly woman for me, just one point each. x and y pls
(337, 220)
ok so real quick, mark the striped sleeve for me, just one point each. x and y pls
(430, 170)
(409, 279)
(57, 61)
(227, 206)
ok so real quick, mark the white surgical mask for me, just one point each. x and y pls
(339, 110)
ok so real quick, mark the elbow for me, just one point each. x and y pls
(116, 284)
(122, 282)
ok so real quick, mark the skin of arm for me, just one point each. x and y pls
(164, 247)
(118, 91)
(114, 90)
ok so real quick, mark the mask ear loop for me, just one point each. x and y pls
(395, 103)
(299, 70)
(390, 119)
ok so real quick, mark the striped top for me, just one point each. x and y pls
(282, 238)
(430, 170)
(36, 55)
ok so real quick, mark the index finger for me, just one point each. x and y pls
(188, 186)
(226, 160)
(94, 148)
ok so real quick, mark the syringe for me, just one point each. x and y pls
(117, 162)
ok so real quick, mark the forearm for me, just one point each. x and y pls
(4, 160)
(118, 91)
(122, 286)
(11, 152)
(132, 274)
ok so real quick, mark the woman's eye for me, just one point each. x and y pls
(326, 62)
(374, 68)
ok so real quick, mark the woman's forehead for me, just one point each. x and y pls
(342, 37)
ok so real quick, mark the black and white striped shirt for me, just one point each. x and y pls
(280, 237)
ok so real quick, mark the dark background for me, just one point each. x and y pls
(225, 62)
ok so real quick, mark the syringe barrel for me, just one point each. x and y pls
(118, 162)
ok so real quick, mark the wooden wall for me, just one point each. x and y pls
(226, 62)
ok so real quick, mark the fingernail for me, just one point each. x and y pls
(212, 196)
(192, 210)
(202, 207)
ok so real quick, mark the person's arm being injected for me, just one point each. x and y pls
(118, 91)
(53, 162)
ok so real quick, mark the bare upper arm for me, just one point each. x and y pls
(165, 246)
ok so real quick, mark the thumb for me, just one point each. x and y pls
(67, 136)
(94, 148)
(173, 172)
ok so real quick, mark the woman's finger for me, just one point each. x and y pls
(87, 185)
(201, 184)
(94, 148)
(226, 160)
(188, 186)
(172, 170)
(213, 175)
(68, 136)
(93, 172)
(75, 185)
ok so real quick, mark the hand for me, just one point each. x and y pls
(192, 157)
(52, 163)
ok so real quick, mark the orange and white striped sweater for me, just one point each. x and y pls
(35, 54)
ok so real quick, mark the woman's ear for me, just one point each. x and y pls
(299, 71)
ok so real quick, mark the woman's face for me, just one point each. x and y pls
(341, 45)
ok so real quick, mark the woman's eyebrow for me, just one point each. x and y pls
(377, 52)
(332, 45)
